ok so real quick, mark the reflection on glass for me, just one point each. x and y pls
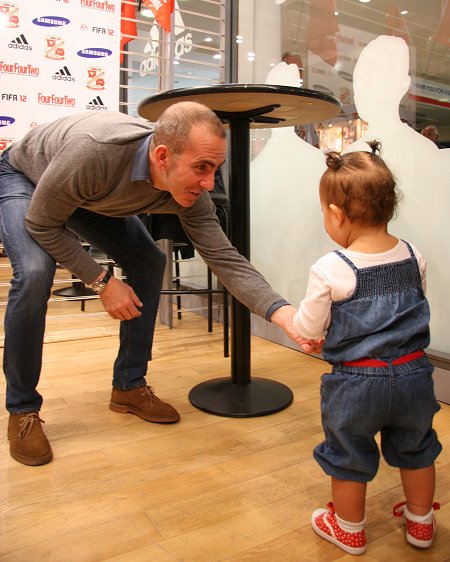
(325, 37)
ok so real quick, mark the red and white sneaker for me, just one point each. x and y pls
(418, 533)
(326, 525)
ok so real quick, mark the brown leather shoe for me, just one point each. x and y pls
(143, 403)
(27, 442)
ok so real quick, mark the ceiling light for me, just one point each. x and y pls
(336, 13)
(365, 1)
(217, 56)
(404, 12)
(239, 39)
(207, 39)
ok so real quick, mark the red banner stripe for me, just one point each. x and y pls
(431, 101)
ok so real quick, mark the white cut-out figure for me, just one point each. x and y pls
(380, 80)
(286, 221)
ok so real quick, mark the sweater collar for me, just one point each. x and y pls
(141, 164)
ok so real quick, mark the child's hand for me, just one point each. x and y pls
(284, 317)
(312, 346)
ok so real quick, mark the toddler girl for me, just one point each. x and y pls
(365, 309)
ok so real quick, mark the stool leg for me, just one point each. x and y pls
(226, 345)
(166, 306)
(83, 301)
(210, 301)
(177, 281)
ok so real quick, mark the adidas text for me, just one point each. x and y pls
(20, 46)
(65, 78)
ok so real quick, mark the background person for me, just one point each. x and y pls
(431, 132)
(307, 132)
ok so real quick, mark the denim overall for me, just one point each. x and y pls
(386, 318)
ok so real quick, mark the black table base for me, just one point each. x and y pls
(221, 397)
(241, 396)
(75, 291)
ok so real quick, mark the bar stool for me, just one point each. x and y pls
(170, 236)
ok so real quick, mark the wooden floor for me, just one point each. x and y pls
(204, 490)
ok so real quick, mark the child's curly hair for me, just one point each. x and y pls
(362, 185)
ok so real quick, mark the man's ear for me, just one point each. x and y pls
(161, 155)
(338, 214)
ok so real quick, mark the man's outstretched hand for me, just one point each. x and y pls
(284, 318)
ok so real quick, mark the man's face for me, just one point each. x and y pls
(190, 173)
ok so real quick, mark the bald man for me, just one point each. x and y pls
(87, 177)
(431, 132)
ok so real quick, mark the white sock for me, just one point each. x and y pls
(349, 526)
(427, 519)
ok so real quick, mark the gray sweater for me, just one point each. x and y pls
(86, 161)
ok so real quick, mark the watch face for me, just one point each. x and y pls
(97, 287)
(100, 285)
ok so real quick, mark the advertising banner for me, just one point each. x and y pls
(430, 93)
(56, 57)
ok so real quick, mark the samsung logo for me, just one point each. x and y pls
(94, 53)
(51, 21)
(5, 120)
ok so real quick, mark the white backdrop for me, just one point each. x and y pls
(56, 57)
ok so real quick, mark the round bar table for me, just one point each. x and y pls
(242, 106)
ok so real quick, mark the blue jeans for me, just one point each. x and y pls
(125, 240)
(358, 402)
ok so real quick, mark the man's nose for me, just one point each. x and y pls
(208, 183)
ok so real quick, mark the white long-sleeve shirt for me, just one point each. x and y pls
(332, 279)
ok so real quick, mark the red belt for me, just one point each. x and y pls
(377, 363)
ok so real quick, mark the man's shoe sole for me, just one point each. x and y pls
(30, 461)
(121, 409)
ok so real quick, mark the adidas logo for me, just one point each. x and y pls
(96, 104)
(64, 74)
(20, 42)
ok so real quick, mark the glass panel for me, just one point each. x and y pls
(400, 85)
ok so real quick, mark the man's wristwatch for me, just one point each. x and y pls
(100, 285)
